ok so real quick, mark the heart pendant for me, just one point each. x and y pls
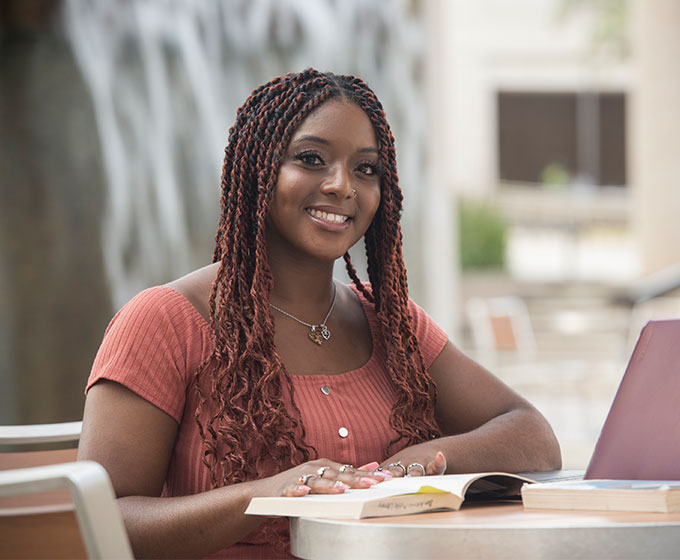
(315, 336)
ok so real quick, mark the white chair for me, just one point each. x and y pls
(94, 502)
(51, 506)
(500, 327)
(61, 432)
(36, 445)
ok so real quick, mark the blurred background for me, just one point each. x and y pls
(537, 142)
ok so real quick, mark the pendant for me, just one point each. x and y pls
(318, 334)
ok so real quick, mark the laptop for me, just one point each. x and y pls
(640, 439)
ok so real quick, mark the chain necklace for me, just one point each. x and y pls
(318, 334)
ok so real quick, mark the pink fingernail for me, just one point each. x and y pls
(370, 466)
(382, 474)
(342, 485)
(370, 481)
(304, 489)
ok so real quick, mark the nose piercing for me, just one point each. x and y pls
(354, 192)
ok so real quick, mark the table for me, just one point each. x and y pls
(486, 531)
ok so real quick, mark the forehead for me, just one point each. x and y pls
(339, 120)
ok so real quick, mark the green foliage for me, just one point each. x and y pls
(482, 236)
(555, 175)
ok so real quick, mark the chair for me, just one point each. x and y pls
(51, 506)
(500, 326)
(97, 514)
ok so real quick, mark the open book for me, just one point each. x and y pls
(399, 496)
(616, 495)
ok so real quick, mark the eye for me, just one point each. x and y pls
(370, 169)
(311, 159)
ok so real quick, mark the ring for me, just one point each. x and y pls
(321, 471)
(345, 467)
(398, 464)
(305, 478)
(415, 465)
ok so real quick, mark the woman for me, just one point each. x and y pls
(259, 375)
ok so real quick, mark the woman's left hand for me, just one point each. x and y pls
(410, 462)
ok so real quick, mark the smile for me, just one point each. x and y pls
(328, 216)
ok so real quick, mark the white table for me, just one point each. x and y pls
(486, 531)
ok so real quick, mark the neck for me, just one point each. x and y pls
(302, 285)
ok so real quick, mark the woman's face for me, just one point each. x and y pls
(328, 187)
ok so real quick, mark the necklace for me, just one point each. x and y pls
(318, 334)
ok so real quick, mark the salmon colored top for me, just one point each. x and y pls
(155, 343)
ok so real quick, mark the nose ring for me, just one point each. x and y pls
(354, 192)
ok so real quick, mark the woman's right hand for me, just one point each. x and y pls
(322, 476)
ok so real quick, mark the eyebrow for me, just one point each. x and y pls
(319, 140)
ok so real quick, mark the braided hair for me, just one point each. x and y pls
(243, 385)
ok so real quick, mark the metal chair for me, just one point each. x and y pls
(52, 506)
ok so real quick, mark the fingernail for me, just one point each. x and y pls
(370, 466)
(340, 484)
(440, 455)
(370, 481)
(382, 474)
(304, 489)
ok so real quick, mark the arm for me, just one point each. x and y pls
(486, 425)
(134, 440)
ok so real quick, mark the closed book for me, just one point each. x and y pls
(399, 496)
(616, 495)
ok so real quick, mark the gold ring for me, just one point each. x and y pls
(345, 467)
(321, 471)
(415, 465)
(305, 478)
(398, 464)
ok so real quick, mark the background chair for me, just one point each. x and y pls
(50, 506)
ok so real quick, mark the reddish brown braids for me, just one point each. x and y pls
(244, 384)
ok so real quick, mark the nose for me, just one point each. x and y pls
(338, 182)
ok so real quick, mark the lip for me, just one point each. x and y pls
(326, 225)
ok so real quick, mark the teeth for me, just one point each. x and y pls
(335, 218)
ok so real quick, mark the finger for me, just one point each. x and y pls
(396, 469)
(327, 486)
(437, 465)
(369, 470)
(334, 482)
(416, 469)
(296, 490)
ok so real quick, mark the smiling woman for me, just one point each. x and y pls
(259, 375)
(328, 187)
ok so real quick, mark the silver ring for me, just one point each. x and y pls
(400, 465)
(354, 191)
(345, 467)
(321, 471)
(305, 478)
(416, 465)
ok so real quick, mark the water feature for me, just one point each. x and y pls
(166, 78)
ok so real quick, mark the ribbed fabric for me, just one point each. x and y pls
(155, 343)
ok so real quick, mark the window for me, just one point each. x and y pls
(561, 138)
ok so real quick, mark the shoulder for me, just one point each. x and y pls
(196, 287)
(154, 307)
(153, 346)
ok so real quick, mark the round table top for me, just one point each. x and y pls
(494, 530)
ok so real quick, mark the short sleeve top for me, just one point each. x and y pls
(155, 343)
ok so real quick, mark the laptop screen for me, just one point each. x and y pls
(640, 439)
